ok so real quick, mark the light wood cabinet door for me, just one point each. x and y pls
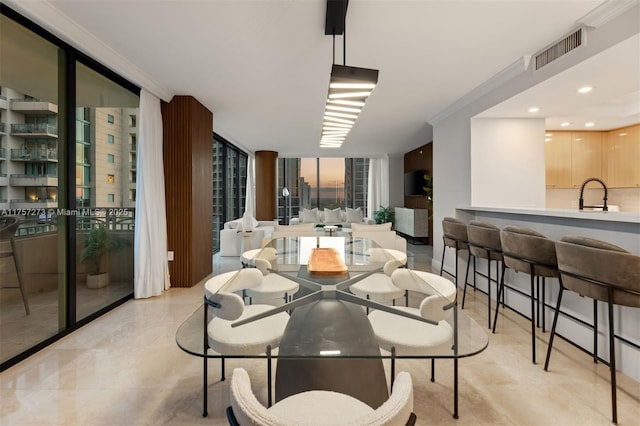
(586, 158)
(557, 155)
(623, 157)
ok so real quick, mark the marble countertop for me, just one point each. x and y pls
(598, 215)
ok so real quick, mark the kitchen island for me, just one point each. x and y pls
(576, 320)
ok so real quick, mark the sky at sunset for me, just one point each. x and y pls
(331, 176)
(331, 171)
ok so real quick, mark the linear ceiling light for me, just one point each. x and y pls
(349, 88)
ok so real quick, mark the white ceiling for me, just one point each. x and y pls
(263, 67)
(614, 101)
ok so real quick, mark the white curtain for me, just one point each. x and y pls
(151, 275)
(378, 191)
(250, 203)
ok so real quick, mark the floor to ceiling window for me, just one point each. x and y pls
(105, 163)
(321, 183)
(32, 171)
(67, 175)
(229, 184)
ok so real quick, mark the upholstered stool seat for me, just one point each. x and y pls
(484, 243)
(454, 235)
(525, 250)
(601, 271)
(319, 407)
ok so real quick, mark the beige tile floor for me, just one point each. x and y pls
(125, 369)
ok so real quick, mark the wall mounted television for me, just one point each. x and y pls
(414, 183)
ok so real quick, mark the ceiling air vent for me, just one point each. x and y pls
(562, 47)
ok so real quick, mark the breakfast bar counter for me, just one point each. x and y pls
(576, 320)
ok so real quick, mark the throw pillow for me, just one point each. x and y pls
(332, 216)
(355, 227)
(354, 215)
(309, 216)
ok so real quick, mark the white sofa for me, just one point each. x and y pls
(332, 217)
(231, 239)
(381, 234)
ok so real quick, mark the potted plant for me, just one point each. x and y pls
(384, 215)
(428, 191)
(97, 244)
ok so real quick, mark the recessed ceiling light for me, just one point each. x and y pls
(585, 89)
(548, 134)
(565, 124)
(622, 134)
(534, 109)
(547, 140)
(589, 124)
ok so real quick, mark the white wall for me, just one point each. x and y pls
(452, 132)
(452, 135)
(507, 162)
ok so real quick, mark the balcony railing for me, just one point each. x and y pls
(34, 129)
(34, 204)
(34, 154)
(3, 127)
(133, 147)
(34, 105)
(34, 180)
(3, 153)
(132, 165)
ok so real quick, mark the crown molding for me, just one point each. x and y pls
(50, 18)
(510, 72)
(607, 11)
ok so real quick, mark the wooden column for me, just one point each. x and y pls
(188, 171)
(266, 184)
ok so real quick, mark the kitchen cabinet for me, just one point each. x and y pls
(622, 154)
(557, 154)
(586, 158)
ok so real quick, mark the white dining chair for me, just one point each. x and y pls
(319, 407)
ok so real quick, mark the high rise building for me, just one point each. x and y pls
(106, 146)
(356, 181)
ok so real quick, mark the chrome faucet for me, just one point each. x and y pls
(581, 201)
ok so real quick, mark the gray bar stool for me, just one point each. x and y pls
(484, 243)
(604, 272)
(8, 227)
(525, 250)
(454, 235)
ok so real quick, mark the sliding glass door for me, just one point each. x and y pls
(32, 169)
(106, 167)
(68, 142)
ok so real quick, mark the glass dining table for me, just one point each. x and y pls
(329, 342)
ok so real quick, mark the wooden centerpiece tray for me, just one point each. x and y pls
(326, 261)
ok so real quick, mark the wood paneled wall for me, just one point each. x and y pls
(420, 159)
(188, 170)
(266, 184)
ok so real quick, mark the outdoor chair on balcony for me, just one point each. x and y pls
(8, 227)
